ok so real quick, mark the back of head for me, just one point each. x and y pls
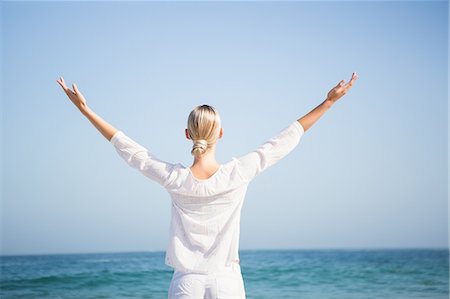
(204, 128)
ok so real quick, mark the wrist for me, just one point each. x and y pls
(328, 103)
(85, 110)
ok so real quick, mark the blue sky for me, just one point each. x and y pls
(371, 173)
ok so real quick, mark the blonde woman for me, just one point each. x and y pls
(206, 197)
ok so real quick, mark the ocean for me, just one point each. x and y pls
(296, 274)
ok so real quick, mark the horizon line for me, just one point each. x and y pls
(240, 250)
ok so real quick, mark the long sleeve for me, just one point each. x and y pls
(137, 156)
(270, 152)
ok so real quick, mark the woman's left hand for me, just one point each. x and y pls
(75, 96)
(340, 90)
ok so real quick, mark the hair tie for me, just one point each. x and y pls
(202, 143)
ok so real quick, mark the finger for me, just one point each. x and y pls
(61, 80)
(354, 77)
(339, 84)
(62, 84)
(67, 89)
(348, 86)
(75, 88)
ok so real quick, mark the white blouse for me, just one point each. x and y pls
(205, 223)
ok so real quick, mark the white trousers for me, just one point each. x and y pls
(227, 284)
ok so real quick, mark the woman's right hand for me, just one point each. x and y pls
(75, 96)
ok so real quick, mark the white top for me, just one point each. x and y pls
(205, 224)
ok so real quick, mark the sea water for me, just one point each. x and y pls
(296, 274)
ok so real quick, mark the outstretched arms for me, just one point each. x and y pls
(332, 97)
(79, 101)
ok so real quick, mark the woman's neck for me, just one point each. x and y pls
(206, 160)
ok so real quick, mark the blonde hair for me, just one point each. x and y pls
(204, 128)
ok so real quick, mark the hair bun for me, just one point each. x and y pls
(199, 147)
(201, 143)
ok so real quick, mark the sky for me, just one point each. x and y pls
(372, 172)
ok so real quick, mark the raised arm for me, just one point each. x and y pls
(277, 147)
(133, 153)
(332, 97)
(78, 99)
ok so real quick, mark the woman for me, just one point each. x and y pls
(207, 197)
